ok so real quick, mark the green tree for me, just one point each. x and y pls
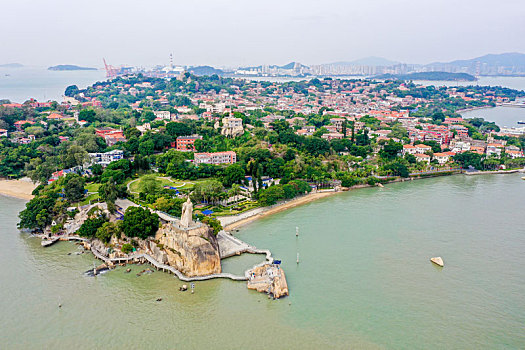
(90, 226)
(106, 231)
(37, 214)
(391, 149)
(140, 222)
(233, 174)
(74, 187)
(208, 190)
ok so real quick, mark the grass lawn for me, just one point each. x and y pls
(92, 197)
(135, 186)
(237, 209)
(93, 187)
(165, 181)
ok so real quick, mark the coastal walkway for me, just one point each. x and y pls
(146, 257)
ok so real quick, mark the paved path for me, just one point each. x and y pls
(228, 220)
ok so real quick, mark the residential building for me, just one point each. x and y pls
(493, 150)
(421, 157)
(20, 123)
(3, 133)
(332, 135)
(165, 115)
(228, 157)
(421, 148)
(106, 158)
(409, 149)
(110, 135)
(186, 143)
(442, 158)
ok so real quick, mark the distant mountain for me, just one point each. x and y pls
(368, 61)
(62, 67)
(11, 65)
(492, 64)
(433, 76)
(205, 70)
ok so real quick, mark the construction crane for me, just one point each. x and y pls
(111, 72)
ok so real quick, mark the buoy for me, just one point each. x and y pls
(437, 260)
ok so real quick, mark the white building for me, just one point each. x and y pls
(442, 158)
(166, 115)
(422, 148)
(421, 157)
(228, 157)
(106, 158)
(409, 149)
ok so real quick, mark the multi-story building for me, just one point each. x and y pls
(228, 157)
(106, 158)
(165, 115)
(187, 143)
(110, 135)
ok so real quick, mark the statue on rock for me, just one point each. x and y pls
(186, 219)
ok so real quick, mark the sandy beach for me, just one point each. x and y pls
(231, 223)
(17, 188)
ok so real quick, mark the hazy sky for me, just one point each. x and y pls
(246, 32)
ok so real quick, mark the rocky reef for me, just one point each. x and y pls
(270, 279)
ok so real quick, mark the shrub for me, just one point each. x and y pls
(127, 248)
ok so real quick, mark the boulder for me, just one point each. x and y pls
(268, 279)
(437, 260)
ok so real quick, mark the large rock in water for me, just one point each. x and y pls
(193, 251)
(268, 279)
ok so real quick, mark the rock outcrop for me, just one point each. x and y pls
(438, 261)
(193, 251)
(268, 279)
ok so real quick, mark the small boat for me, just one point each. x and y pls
(521, 122)
(523, 178)
(48, 242)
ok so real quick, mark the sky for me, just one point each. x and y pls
(229, 33)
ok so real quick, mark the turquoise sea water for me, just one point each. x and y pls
(364, 279)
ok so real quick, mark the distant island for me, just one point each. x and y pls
(11, 65)
(62, 67)
(434, 76)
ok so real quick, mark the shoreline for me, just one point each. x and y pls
(20, 189)
(278, 208)
(259, 213)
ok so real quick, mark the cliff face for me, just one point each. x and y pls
(194, 252)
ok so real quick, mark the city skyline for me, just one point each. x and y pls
(234, 33)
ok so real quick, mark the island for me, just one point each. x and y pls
(11, 65)
(164, 171)
(68, 67)
(431, 76)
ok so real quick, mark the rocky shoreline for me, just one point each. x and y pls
(191, 252)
